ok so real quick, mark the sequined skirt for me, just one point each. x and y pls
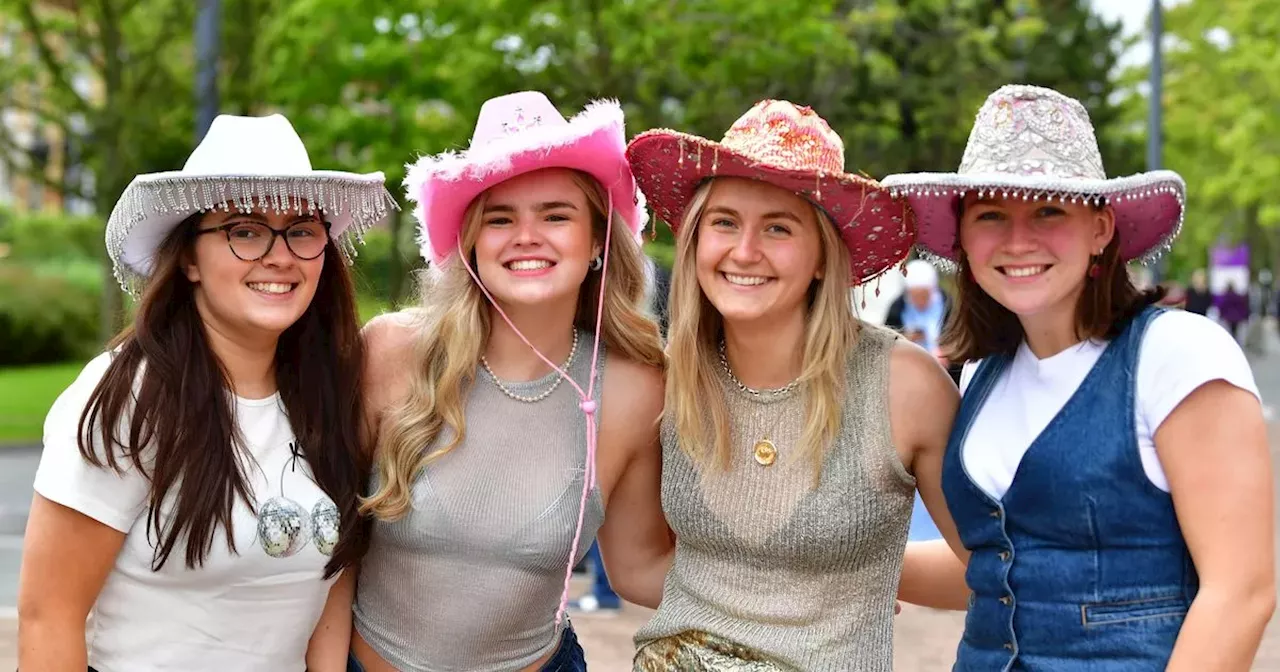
(703, 652)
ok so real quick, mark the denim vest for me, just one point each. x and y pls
(1082, 564)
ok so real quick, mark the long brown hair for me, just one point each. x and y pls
(980, 327)
(181, 430)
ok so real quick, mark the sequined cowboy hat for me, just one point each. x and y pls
(515, 134)
(1036, 143)
(788, 146)
(243, 163)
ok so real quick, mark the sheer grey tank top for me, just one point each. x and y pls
(470, 579)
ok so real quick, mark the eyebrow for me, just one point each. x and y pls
(541, 207)
(260, 218)
(776, 214)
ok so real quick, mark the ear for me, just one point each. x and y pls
(596, 250)
(189, 268)
(1104, 228)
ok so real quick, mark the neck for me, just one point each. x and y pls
(250, 363)
(766, 356)
(1050, 332)
(548, 328)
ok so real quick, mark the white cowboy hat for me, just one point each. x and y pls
(1035, 143)
(243, 163)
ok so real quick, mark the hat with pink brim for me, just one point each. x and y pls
(1034, 143)
(516, 134)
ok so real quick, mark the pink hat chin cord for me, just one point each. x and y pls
(587, 403)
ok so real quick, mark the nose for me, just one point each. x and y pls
(747, 248)
(1022, 236)
(278, 254)
(526, 232)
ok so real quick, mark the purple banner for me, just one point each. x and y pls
(1230, 256)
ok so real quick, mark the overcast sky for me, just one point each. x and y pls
(1133, 15)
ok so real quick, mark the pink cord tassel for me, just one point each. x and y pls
(587, 403)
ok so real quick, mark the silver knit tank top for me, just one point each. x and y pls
(470, 579)
(771, 574)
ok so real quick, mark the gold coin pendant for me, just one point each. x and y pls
(766, 453)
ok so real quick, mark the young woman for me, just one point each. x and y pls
(791, 429)
(530, 348)
(197, 495)
(1109, 470)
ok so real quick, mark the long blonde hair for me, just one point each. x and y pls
(694, 394)
(453, 323)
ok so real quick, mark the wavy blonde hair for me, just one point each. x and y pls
(694, 394)
(453, 311)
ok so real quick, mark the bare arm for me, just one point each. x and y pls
(1214, 451)
(635, 541)
(67, 557)
(922, 407)
(331, 640)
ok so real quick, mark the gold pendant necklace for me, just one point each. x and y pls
(765, 452)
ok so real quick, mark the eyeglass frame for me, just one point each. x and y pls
(282, 233)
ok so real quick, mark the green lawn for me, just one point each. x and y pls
(26, 393)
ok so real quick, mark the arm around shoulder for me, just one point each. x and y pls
(922, 405)
(635, 541)
(389, 341)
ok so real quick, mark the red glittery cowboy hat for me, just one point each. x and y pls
(788, 146)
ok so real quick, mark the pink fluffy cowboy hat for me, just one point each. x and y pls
(1035, 143)
(788, 146)
(516, 134)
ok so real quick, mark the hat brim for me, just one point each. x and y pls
(152, 205)
(877, 229)
(593, 141)
(1149, 207)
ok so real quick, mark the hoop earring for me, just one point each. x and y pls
(596, 264)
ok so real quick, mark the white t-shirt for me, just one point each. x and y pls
(250, 612)
(1180, 351)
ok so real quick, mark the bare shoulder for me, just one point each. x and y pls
(633, 391)
(918, 385)
(389, 350)
(390, 336)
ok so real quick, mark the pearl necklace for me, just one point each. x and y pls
(573, 350)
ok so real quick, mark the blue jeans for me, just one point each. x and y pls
(600, 586)
(568, 657)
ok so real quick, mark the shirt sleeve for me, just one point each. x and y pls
(1180, 352)
(114, 499)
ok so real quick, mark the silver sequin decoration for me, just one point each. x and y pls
(362, 200)
(325, 522)
(284, 527)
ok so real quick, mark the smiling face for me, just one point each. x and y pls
(759, 251)
(535, 240)
(1033, 257)
(261, 297)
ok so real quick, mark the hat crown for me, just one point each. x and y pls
(235, 145)
(1034, 132)
(511, 115)
(783, 135)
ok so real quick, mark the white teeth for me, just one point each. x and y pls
(748, 280)
(271, 287)
(1024, 272)
(529, 264)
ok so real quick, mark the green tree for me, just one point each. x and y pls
(1221, 127)
(111, 77)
